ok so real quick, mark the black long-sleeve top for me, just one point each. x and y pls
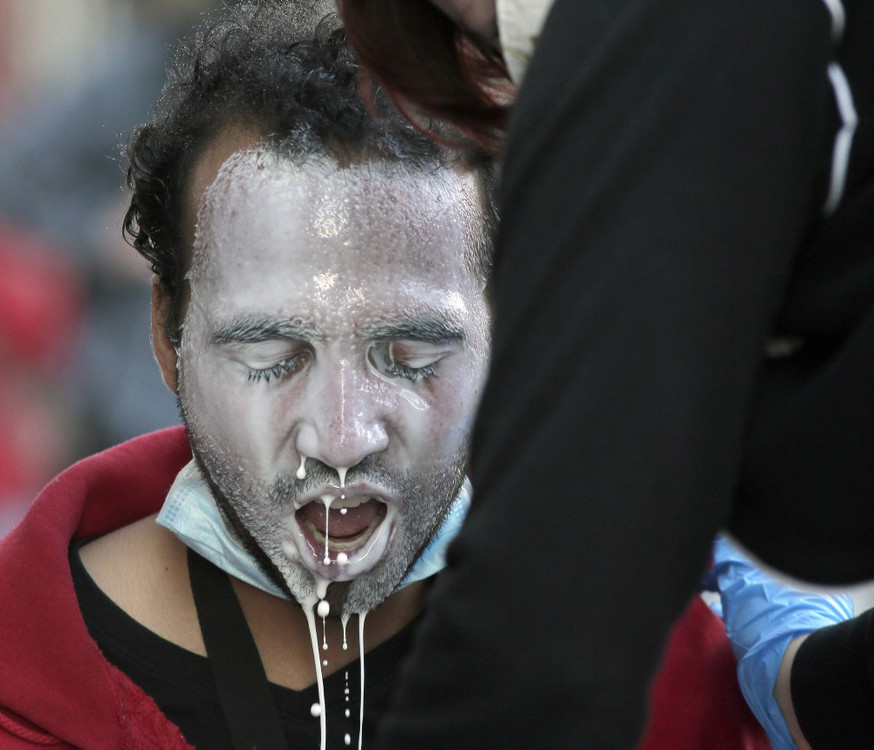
(683, 340)
(832, 684)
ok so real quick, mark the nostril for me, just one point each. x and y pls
(336, 445)
(307, 442)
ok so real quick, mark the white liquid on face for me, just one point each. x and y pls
(321, 591)
(284, 198)
(413, 400)
(320, 220)
(327, 500)
(344, 620)
(340, 247)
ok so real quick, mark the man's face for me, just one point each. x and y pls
(332, 355)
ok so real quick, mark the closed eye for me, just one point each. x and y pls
(279, 370)
(409, 360)
(270, 360)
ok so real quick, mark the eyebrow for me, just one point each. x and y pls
(429, 330)
(255, 330)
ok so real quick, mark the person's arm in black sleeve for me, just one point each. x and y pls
(660, 171)
(832, 685)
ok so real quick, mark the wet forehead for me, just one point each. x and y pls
(263, 214)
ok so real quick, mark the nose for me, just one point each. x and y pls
(344, 419)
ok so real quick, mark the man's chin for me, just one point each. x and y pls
(364, 595)
(349, 597)
(345, 597)
(337, 596)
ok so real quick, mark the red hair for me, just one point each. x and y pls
(422, 58)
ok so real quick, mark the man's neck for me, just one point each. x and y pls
(143, 569)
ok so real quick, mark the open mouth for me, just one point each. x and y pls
(339, 527)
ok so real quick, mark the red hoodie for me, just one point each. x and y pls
(57, 690)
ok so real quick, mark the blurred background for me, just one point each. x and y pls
(76, 369)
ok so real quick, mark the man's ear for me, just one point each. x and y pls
(165, 354)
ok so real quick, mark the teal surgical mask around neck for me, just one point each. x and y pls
(191, 514)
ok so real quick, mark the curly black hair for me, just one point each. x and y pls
(279, 67)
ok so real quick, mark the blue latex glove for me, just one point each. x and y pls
(762, 616)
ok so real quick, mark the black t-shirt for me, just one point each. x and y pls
(181, 682)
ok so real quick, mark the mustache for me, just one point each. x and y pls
(286, 486)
